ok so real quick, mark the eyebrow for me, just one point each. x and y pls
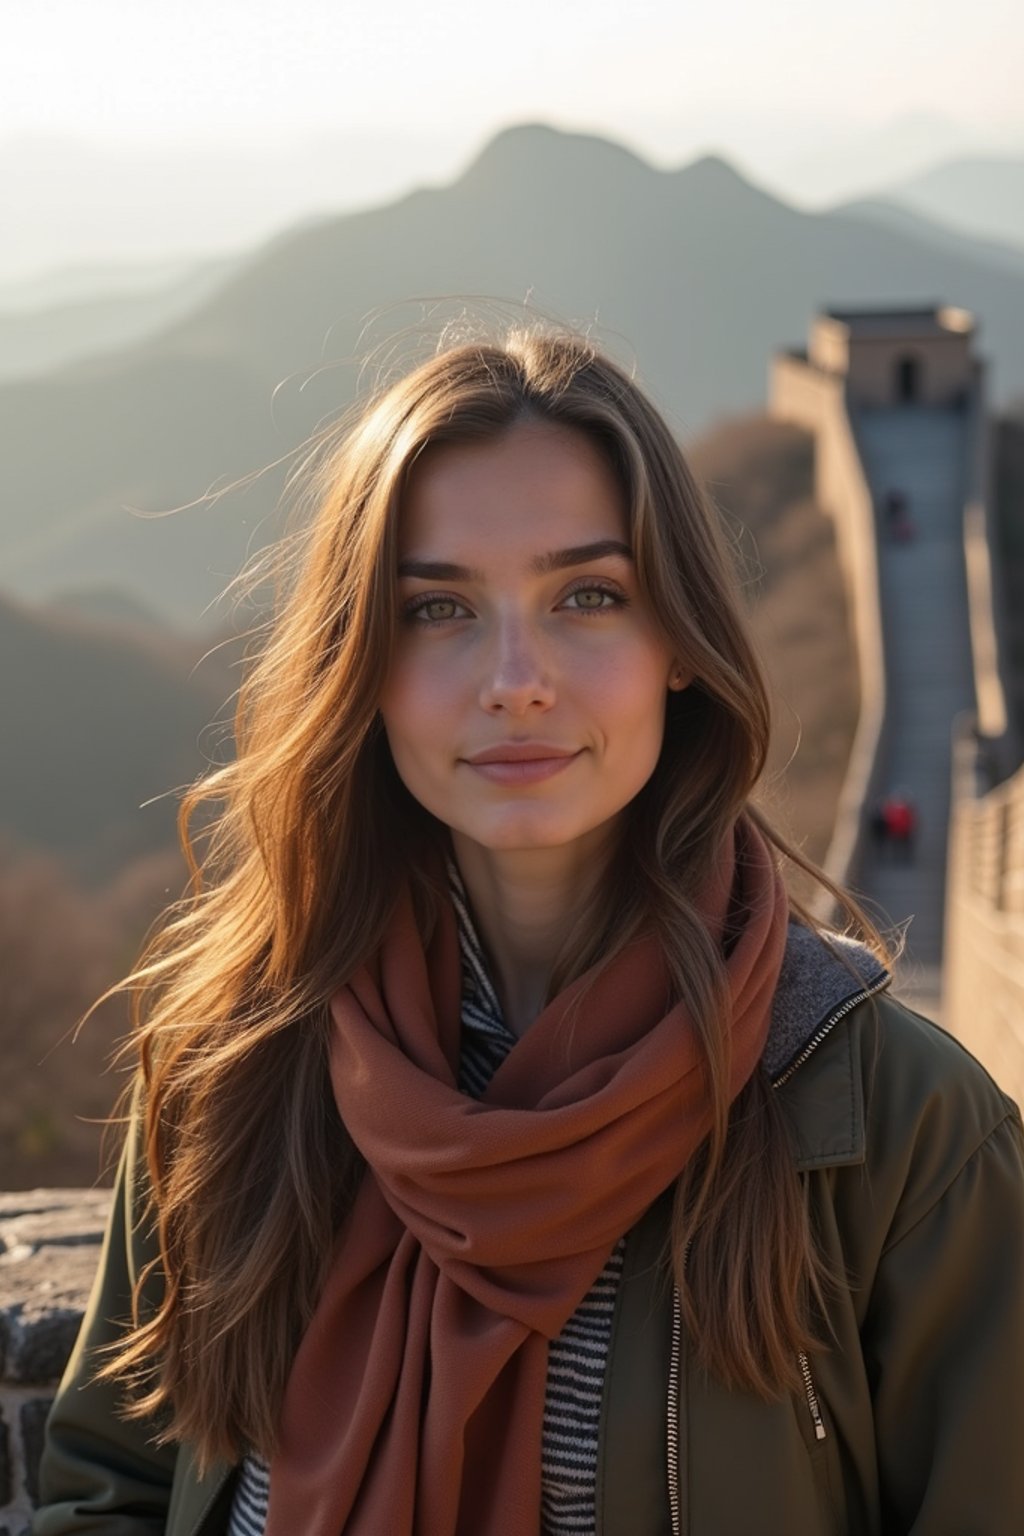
(540, 565)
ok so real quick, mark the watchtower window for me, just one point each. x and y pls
(908, 379)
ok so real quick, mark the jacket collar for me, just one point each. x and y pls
(823, 978)
(819, 976)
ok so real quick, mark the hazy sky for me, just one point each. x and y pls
(252, 70)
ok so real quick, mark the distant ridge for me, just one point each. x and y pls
(128, 718)
(95, 315)
(716, 172)
(931, 231)
(694, 276)
(979, 195)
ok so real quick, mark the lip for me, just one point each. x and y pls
(520, 752)
(526, 762)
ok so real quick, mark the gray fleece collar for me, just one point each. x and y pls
(816, 980)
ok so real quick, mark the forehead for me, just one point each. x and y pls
(535, 481)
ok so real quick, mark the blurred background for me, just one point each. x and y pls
(222, 222)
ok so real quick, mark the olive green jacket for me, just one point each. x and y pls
(911, 1421)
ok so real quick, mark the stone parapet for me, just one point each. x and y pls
(985, 912)
(49, 1249)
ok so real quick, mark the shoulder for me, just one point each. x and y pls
(931, 1109)
(907, 1054)
(918, 1079)
(901, 1104)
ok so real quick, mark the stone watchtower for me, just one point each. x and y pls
(897, 356)
(860, 363)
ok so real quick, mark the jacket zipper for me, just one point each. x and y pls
(673, 1406)
(813, 1406)
(812, 1397)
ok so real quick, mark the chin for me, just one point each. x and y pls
(518, 834)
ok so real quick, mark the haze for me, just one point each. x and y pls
(133, 131)
(244, 72)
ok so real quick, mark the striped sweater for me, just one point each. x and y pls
(576, 1359)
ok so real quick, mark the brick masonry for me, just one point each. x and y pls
(49, 1249)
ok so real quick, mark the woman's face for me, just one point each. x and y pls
(526, 703)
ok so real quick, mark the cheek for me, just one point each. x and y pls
(631, 715)
(416, 707)
(630, 691)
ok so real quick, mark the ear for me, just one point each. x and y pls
(678, 679)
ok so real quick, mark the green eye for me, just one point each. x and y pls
(594, 598)
(427, 610)
(439, 608)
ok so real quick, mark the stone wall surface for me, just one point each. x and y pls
(49, 1249)
(818, 402)
(985, 917)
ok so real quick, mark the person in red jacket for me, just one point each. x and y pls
(900, 817)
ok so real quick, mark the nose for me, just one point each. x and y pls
(516, 675)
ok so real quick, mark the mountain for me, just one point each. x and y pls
(106, 605)
(103, 720)
(97, 311)
(893, 215)
(980, 196)
(84, 200)
(695, 274)
(839, 159)
(50, 287)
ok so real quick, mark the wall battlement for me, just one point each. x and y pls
(49, 1248)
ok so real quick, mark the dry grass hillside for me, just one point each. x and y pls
(64, 938)
(760, 473)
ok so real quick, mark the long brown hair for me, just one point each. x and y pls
(294, 875)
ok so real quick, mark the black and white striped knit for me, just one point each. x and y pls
(576, 1359)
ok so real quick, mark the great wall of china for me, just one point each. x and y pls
(896, 402)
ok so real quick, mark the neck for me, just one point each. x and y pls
(524, 904)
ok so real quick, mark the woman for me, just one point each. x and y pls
(510, 1153)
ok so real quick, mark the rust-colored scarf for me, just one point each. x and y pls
(415, 1404)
